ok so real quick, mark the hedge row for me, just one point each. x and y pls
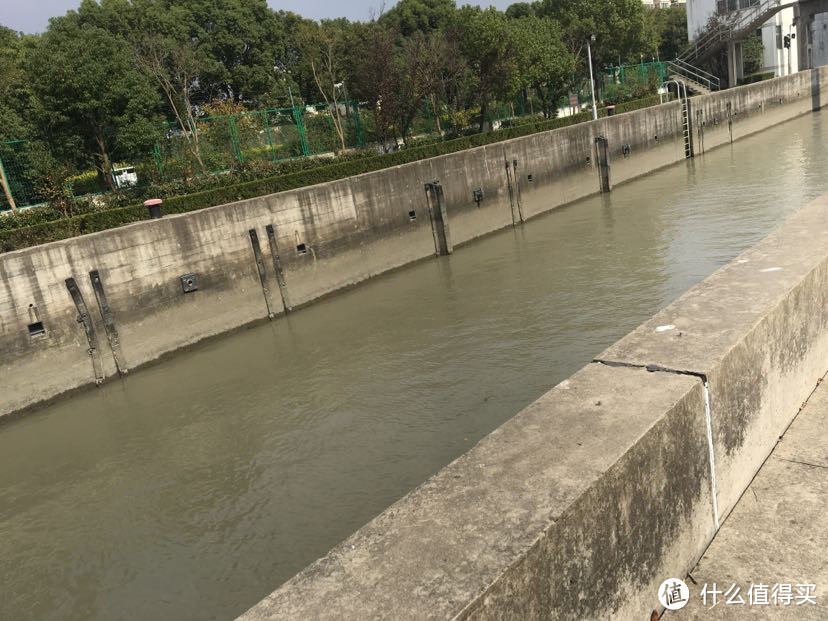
(637, 104)
(756, 77)
(65, 228)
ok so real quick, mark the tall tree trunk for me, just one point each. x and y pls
(194, 140)
(335, 106)
(6, 189)
(436, 114)
(484, 107)
(105, 164)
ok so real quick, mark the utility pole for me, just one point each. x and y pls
(590, 40)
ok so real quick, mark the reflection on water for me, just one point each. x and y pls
(194, 487)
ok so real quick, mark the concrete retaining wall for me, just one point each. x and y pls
(617, 479)
(326, 237)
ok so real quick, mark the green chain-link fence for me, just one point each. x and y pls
(16, 158)
(220, 143)
(630, 81)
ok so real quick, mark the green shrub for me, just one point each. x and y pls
(29, 217)
(756, 77)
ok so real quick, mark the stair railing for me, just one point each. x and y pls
(691, 73)
(735, 24)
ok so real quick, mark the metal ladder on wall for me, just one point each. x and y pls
(686, 125)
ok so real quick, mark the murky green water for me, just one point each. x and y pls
(193, 488)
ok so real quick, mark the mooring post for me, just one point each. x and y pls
(109, 323)
(439, 218)
(602, 157)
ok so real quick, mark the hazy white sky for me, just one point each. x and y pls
(33, 15)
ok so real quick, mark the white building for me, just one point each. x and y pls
(779, 31)
(662, 4)
(776, 32)
(699, 13)
(794, 38)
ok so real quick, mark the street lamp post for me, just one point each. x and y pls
(284, 72)
(590, 40)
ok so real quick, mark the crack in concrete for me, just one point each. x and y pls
(652, 368)
(617, 363)
(802, 463)
(708, 418)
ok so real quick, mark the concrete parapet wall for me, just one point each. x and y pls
(724, 116)
(616, 479)
(326, 237)
(757, 331)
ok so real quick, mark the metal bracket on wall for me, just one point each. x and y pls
(88, 328)
(109, 323)
(260, 266)
(602, 157)
(439, 218)
(513, 184)
(517, 189)
(277, 266)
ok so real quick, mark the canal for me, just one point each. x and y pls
(192, 488)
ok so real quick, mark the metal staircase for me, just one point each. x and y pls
(736, 25)
(697, 80)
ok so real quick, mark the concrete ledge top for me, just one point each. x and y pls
(439, 548)
(695, 332)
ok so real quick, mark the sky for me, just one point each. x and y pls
(33, 15)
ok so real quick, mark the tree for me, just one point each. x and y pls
(241, 38)
(167, 50)
(670, 26)
(545, 64)
(753, 54)
(489, 46)
(621, 29)
(453, 75)
(176, 67)
(424, 16)
(91, 99)
(519, 10)
(416, 75)
(323, 49)
(15, 94)
(376, 48)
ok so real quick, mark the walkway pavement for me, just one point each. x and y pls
(776, 536)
